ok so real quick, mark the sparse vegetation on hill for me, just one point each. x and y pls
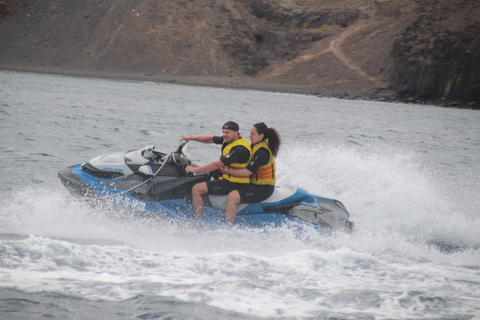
(426, 50)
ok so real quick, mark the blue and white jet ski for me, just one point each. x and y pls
(156, 183)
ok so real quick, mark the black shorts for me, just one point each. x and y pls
(255, 193)
(223, 187)
(249, 193)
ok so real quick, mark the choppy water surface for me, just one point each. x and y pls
(408, 174)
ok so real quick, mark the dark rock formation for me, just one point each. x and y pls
(438, 57)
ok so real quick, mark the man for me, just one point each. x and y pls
(236, 153)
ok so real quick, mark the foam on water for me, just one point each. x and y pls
(386, 190)
(403, 217)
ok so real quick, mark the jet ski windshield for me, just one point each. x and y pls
(179, 158)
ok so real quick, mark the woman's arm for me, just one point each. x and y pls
(260, 158)
(237, 172)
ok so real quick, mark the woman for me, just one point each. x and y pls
(265, 143)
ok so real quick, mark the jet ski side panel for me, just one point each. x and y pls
(72, 182)
(166, 188)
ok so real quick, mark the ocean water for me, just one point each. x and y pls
(408, 174)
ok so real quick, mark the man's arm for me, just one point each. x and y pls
(205, 168)
(203, 139)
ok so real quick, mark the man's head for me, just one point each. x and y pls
(230, 131)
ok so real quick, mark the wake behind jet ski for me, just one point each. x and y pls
(156, 183)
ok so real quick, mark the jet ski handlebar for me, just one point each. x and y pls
(180, 147)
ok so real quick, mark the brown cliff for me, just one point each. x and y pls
(420, 51)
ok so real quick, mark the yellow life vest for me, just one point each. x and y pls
(266, 174)
(226, 150)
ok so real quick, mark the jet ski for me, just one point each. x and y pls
(156, 183)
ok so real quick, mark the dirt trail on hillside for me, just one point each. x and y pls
(336, 48)
(320, 49)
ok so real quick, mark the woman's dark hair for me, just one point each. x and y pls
(269, 134)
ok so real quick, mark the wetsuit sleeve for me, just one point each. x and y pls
(217, 139)
(260, 158)
(238, 154)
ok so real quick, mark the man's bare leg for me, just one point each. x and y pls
(232, 199)
(197, 191)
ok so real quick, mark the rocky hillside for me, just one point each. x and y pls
(410, 50)
(438, 55)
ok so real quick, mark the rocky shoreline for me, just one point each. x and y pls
(423, 52)
(236, 84)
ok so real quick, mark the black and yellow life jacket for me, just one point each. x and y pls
(226, 150)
